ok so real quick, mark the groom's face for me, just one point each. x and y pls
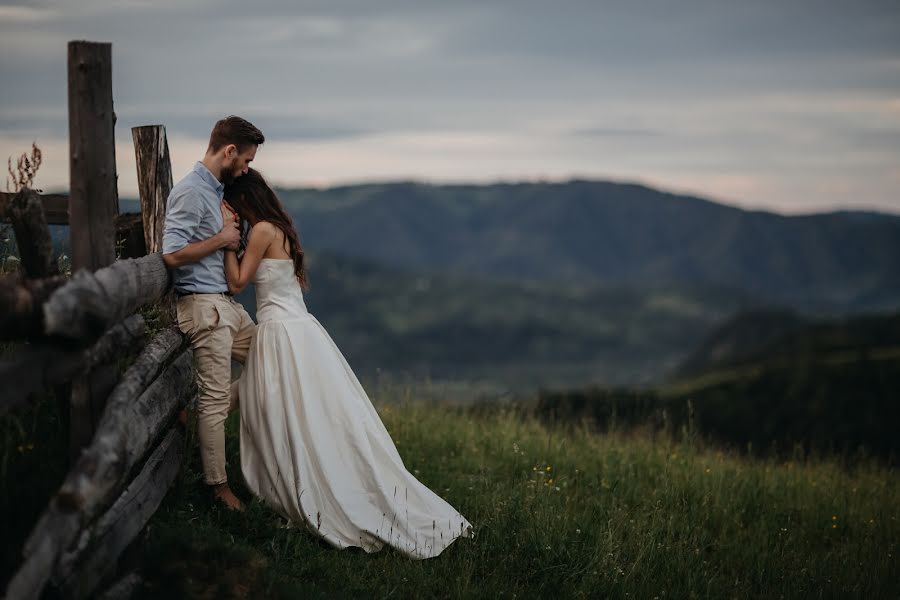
(236, 163)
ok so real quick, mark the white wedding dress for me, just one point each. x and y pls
(312, 445)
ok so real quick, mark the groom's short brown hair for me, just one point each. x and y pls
(234, 130)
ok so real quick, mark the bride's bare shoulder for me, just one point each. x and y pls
(273, 236)
(263, 228)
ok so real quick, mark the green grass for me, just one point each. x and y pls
(558, 514)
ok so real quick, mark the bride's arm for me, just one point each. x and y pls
(239, 274)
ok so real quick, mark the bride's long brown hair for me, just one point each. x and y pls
(253, 200)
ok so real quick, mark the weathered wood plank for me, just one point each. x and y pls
(154, 172)
(56, 207)
(67, 516)
(134, 414)
(91, 302)
(86, 403)
(80, 308)
(22, 305)
(123, 589)
(41, 365)
(93, 200)
(93, 556)
(32, 235)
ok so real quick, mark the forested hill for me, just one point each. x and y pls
(610, 233)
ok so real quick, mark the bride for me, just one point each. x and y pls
(312, 445)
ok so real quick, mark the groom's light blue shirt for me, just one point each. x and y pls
(193, 214)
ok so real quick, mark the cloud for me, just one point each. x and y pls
(25, 15)
(617, 132)
(756, 99)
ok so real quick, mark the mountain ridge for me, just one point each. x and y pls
(609, 233)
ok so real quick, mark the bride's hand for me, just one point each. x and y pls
(230, 217)
(228, 214)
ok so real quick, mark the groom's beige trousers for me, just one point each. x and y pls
(219, 329)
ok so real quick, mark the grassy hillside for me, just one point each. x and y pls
(736, 340)
(559, 515)
(771, 381)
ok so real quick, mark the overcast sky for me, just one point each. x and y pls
(786, 105)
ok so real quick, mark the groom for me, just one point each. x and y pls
(219, 328)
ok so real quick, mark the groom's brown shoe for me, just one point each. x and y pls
(222, 495)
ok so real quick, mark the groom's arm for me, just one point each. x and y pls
(182, 222)
(195, 251)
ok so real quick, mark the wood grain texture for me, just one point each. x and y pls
(154, 173)
(93, 199)
(94, 554)
(91, 302)
(135, 412)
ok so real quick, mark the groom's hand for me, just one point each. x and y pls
(231, 235)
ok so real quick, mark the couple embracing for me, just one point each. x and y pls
(312, 446)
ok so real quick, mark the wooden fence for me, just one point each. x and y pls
(125, 440)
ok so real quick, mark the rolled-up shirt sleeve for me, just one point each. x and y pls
(182, 221)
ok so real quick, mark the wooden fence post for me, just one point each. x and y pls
(93, 203)
(93, 199)
(154, 173)
(32, 234)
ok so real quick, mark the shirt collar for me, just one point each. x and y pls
(207, 176)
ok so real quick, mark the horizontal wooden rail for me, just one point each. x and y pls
(91, 302)
(82, 308)
(130, 421)
(38, 366)
(135, 418)
(94, 554)
(56, 207)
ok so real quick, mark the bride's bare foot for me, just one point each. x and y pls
(222, 494)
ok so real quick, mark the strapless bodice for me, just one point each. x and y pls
(278, 293)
